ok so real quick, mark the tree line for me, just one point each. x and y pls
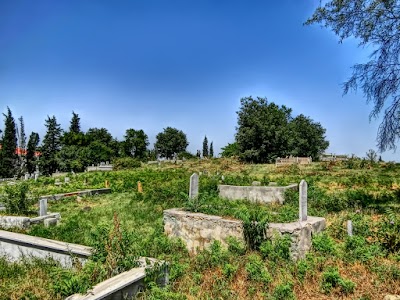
(74, 150)
(264, 132)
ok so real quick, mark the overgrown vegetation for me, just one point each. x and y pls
(126, 224)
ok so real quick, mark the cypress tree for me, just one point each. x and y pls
(30, 152)
(211, 150)
(8, 157)
(51, 146)
(205, 147)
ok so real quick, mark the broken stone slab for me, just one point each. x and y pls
(41, 219)
(50, 222)
(256, 183)
(7, 222)
(77, 193)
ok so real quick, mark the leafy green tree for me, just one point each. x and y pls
(230, 150)
(8, 157)
(374, 23)
(99, 135)
(33, 143)
(211, 150)
(262, 132)
(135, 144)
(372, 156)
(170, 141)
(205, 147)
(101, 146)
(307, 138)
(49, 161)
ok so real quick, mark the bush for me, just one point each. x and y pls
(323, 243)
(16, 198)
(283, 291)
(277, 248)
(331, 279)
(126, 163)
(256, 270)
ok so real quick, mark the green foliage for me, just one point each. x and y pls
(266, 131)
(170, 141)
(135, 144)
(16, 198)
(373, 23)
(357, 248)
(230, 150)
(49, 160)
(256, 270)
(255, 224)
(388, 232)
(235, 246)
(331, 279)
(324, 244)
(8, 157)
(229, 270)
(284, 291)
(33, 143)
(211, 153)
(205, 147)
(276, 248)
(125, 163)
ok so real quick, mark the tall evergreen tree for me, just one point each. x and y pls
(30, 152)
(211, 150)
(22, 136)
(8, 157)
(205, 147)
(51, 146)
(75, 125)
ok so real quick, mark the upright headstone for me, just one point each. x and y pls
(26, 176)
(303, 200)
(194, 186)
(66, 179)
(139, 187)
(43, 207)
(36, 176)
(349, 227)
(107, 184)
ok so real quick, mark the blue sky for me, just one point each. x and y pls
(186, 64)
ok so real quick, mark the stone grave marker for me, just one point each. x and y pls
(26, 176)
(194, 186)
(139, 187)
(303, 200)
(66, 179)
(349, 227)
(36, 176)
(43, 207)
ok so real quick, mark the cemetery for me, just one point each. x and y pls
(341, 223)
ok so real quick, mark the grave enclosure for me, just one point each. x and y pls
(198, 230)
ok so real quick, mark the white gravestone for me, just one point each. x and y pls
(349, 227)
(303, 200)
(194, 186)
(43, 207)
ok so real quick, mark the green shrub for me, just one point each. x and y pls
(16, 198)
(276, 248)
(256, 270)
(283, 291)
(331, 279)
(235, 246)
(323, 243)
(357, 248)
(229, 270)
(124, 163)
(388, 232)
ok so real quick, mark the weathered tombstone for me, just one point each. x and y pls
(139, 187)
(303, 200)
(26, 176)
(349, 227)
(256, 183)
(222, 177)
(194, 186)
(43, 207)
(36, 176)
(66, 179)
(107, 184)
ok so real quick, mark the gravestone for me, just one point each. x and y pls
(43, 207)
(36, 176)
(194, 186)
(349, 227)
(256, 183)
(26, 176)
(303, 200)
(139, 187)
(66, 179)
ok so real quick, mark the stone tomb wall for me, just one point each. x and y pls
(262, 194)
(199, 230)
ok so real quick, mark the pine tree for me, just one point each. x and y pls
(205, 147)
(51, 146)
(21, 146)
(8, 157)
(211, 150)
(30, 152)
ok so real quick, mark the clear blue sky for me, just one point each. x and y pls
(186, 64)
